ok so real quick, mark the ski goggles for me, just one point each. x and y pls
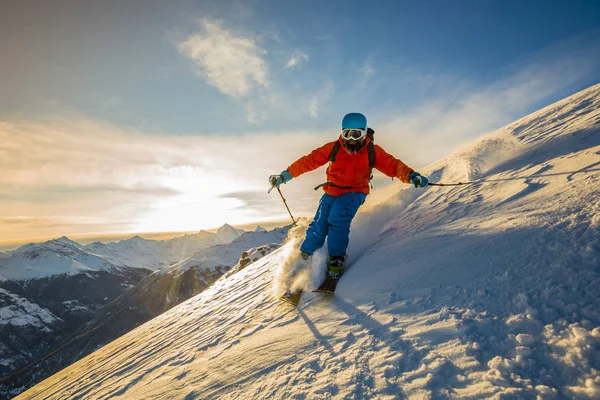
(353, 134)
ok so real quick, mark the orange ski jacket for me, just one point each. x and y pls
(349, 170)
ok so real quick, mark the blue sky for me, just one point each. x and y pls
(266, 77)
(119, 61)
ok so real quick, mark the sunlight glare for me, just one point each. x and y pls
(198, 205)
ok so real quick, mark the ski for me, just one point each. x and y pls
(291, 298)
(328, 286)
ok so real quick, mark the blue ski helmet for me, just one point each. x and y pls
(354, 121)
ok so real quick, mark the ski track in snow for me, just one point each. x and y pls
(482, 291)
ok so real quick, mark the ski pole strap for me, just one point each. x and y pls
(451, 184)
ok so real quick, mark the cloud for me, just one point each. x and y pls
(48, 193)
(88, 174)
(234, 64)
(321, 98)
(296, 58)
(367, 71)
(313, 107)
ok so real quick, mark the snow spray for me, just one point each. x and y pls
(290, 272)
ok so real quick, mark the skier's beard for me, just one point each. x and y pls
(353, 147)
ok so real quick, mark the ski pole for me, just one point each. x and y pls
(286, 206)
(284, 202)
(452, 184)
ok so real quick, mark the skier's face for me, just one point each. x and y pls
(353, 146)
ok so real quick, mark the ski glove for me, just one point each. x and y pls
(417, 179)
(277, 180)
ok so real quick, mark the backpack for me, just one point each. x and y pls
(370, 149)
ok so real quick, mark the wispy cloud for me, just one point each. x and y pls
(296, 58)
(321, 98)
(367, 70)
(313, 106)
(233, 63)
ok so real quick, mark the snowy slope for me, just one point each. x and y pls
(482, 291)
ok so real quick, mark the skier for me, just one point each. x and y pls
(352, 157)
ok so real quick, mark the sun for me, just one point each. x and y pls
(200, 202)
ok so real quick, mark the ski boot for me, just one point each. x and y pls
(335, 266)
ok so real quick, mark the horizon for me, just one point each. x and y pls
(138, 118)
(7, 246)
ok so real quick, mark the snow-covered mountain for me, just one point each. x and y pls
(65, 256)
(227, 234)
(228, 255)
(54, 257)
(150, 297)
(37, 314)
(489, 290)
(59, 277)
(159, 254)
(26, 329)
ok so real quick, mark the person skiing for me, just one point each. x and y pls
(351, 159)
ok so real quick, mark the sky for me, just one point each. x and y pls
(149, 116)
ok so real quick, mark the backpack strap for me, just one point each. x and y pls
(371, 151)
(334, 151)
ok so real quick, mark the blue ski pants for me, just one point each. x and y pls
(332, 220)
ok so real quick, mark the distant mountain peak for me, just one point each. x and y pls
(227, 233)
(137, 239)
(64, 240)
(260, 229)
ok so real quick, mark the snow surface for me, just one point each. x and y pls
(482, 291)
